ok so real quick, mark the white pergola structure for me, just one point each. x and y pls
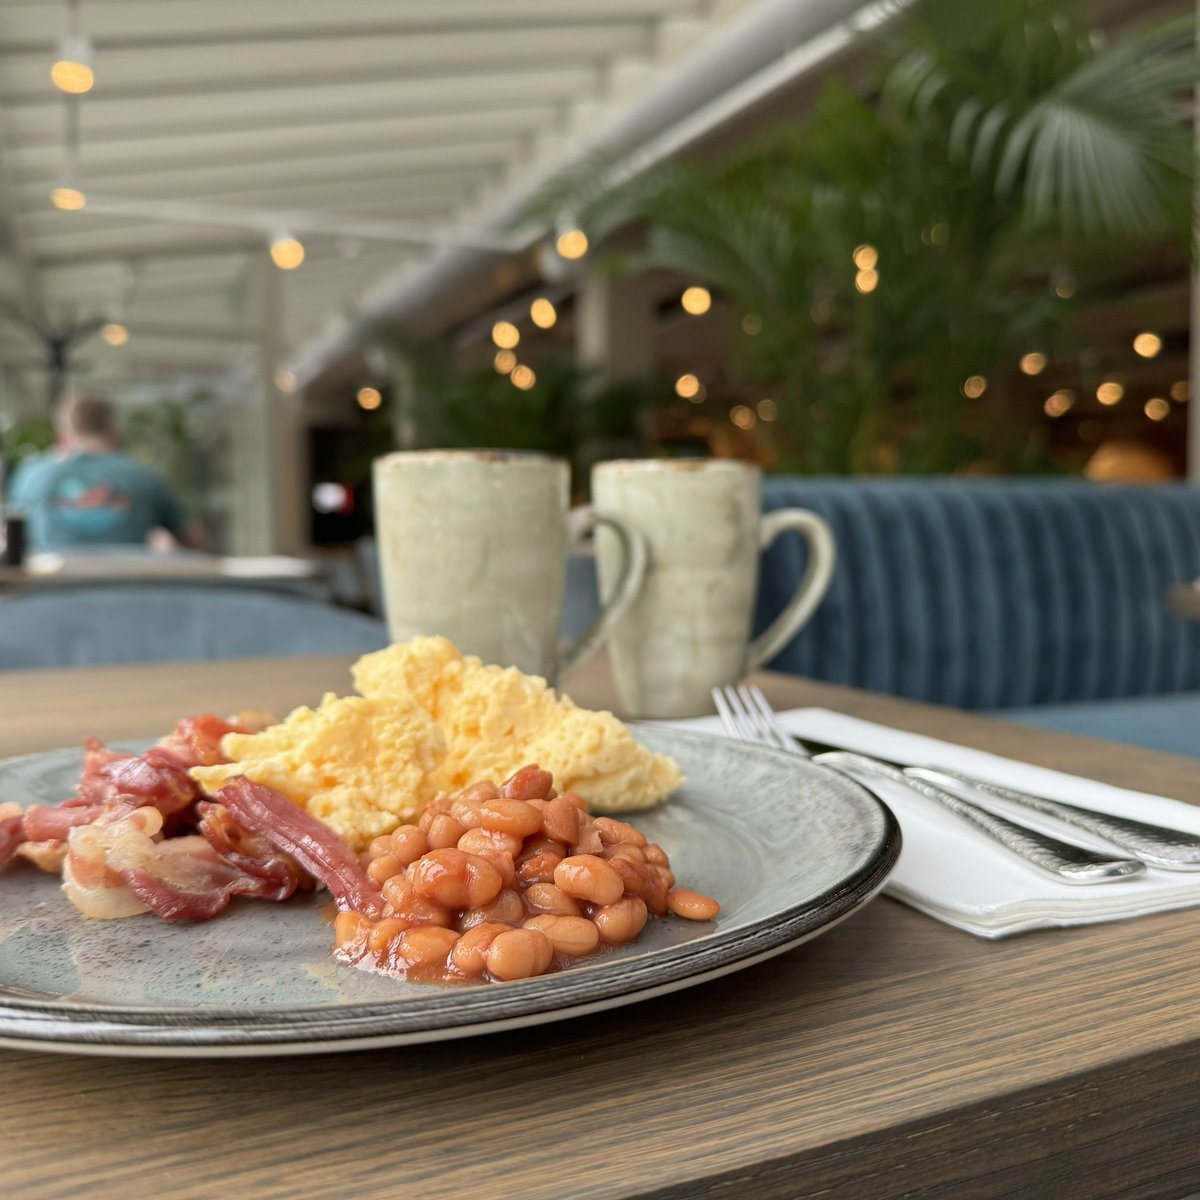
(396, 138)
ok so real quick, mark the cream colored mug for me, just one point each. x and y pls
(688, 630)
(473, 545)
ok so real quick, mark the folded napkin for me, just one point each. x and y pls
(956, 873)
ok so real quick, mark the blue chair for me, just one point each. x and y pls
(71, 626)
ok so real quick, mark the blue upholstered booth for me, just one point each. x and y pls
(1044, 600)
(94, 625)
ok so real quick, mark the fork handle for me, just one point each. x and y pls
(1171, 849)
(1066, 862)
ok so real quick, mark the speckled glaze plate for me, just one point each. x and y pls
(788, 848)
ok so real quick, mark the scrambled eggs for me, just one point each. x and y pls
(363, 766)
(430, 720)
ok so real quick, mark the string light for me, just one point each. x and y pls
(369, 398)
(1033, 363)
(1181, 391)
(285, 381)
(506, 335)
(67, 198)
(72, 71)
(504, 362)
(696, 301)
(767, 409)
(687, 386)
(974, 386)
(73, 77)
(939, 234)
(115, 334)
(1147, 344)
(571, 244)
(866, 281)
(543, 314)
(1064, 290)
(743, 417)
(287, 252)
(752, 324)
(1058, 402)
(866, 258)
(1110, 392)
(1156, 408)
(523, 377)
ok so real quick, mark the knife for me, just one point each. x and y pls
(1157, 845)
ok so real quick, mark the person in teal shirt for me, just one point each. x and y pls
(86, 493)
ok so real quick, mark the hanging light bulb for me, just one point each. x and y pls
(71, 71)
(115, 334)
(67, 197)
(543, 313)
(570, 241)
(696, 301)
(287, 252)
(505, 335)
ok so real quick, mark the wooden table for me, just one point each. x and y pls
(891, 1057)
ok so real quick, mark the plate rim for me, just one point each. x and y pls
(46, 1023)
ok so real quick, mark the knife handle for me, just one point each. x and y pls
(1171, 849)
(1066, 862)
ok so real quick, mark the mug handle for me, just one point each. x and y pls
(812, 588)
(634, 554)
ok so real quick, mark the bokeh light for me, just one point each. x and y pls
(506, 335)
(1147, 344)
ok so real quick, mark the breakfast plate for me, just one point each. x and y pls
(789, 849)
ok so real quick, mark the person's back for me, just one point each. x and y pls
(91, 498)
(88, 494)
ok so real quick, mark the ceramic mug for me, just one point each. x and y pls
(688, 630)
(473, 545)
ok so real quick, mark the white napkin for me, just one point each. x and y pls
(956, 873)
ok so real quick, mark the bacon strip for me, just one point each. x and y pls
(12, 830)
(184, 879)
(311, 843)
(43, 823)
(250, 852)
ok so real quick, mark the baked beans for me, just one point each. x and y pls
(507, 882)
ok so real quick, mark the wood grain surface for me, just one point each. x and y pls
(891, 1057)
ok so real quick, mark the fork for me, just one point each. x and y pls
(747, 715)
(1155, 845)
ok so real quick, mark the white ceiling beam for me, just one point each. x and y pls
(187, 182)
(47, 223)
(305, 103)
(177, 68)
(169, 152)
(206, 215)
(38, 24)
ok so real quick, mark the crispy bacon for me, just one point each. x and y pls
(48, 855)
(43, 823)
(310, 842)
(251, 852)
(117, 867)
(196, 741)
(12, 830)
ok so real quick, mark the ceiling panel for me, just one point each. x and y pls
(214, 122)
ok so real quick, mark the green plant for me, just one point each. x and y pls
(186, 439)
(892, 246)
(565, 411)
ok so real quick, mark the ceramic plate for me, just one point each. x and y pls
(789, 849)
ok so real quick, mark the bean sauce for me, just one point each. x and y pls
(505, 883)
